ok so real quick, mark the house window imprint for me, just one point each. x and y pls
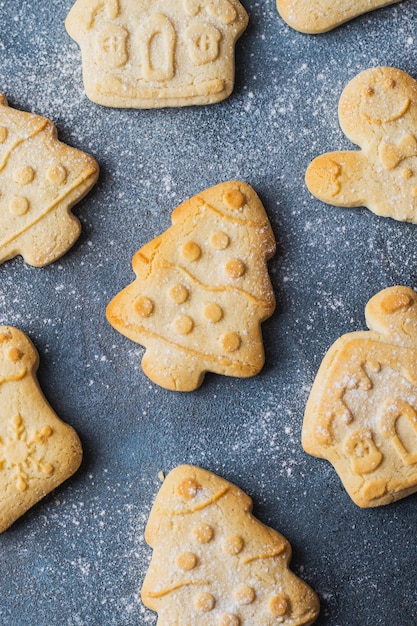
(203, 42)
(111, 47)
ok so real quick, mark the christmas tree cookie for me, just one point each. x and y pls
(37, 450)
(213, 563)
(362, 410)
(157, 53)
(40, 180)
(319, 16)
(378, 112)
(202, 290)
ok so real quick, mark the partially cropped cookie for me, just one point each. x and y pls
(37, 450)
(319, 16)
(41, 179)
(378, 112)
(362, 410)
(202, 290)
(163, 53)
(214, 563)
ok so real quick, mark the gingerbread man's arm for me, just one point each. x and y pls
(340, 178)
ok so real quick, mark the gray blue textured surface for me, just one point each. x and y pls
(78, 558)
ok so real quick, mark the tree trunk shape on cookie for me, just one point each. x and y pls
(202, 290)
(214, 563)
(362, 411)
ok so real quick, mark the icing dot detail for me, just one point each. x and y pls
(230, 342)
(213, 313)
(186, 561)
(19, 205)
(3, 134)
(233, 545)
(203, 533)
(278, 605)
(14, 355)
(407, 173)
(235, 268)
(144, 307)
(179, 293)
(219, 240)
(191, 251)
(184, 325)
(204, 602)
(244, 594)
(25, 175)
(369, 91)
(229, 619)
(21, 484)
(390, 83)
(188, 488)
(57, 174)
(234, 199)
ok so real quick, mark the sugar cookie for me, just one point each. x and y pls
(37, 450)
(362, 410)
(319, 16)
(214, 563)
(159, 53)
(41, 179)
(378, 112)
(202, 290)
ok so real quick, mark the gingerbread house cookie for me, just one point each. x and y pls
(214, 563)
(202, 290)
(40, 180)
(378, 112)
(157, 53)
(319, 16)
(362, 411)
(37, 450)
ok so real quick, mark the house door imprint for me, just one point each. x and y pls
(157, 46)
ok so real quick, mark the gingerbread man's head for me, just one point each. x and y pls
(375, 101)
(18, 356)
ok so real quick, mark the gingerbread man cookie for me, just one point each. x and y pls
(41, 179)
(37, 450)
(319, 16)
(214, 563)
(378, 112)
(202, 290)
(157, 53)
(362, 411)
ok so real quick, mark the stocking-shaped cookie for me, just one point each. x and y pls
(213, 563)
(157, 53)
(362, 411)
(319, 16)
(378, 112)
(37, 450)
(202, 290)
(40, 180)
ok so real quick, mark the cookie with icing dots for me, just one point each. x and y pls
(362, 411)
(157, 53)
(202, 290)
(213, 562)
(319, 16)
(37, 450)
(378, 112)
(41, 179)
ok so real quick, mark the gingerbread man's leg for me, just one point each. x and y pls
(340, 178)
